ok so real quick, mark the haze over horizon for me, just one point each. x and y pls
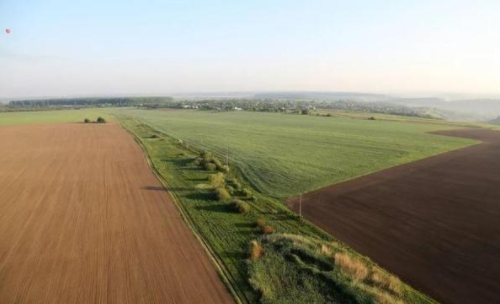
(91, 48)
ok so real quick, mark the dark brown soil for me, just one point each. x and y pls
(435, 223)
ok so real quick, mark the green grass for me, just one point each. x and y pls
(57, 116)
(295, 269)
(228, 233)
(283, 155)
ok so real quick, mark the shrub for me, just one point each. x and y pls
(328, 115)
(240, 206)
(371, 118)
(210, 167)
(101, 120)
(351, 266)
(206, 155)
(217, 180)
(154, 136)
(217, 162)
(247, 192)
(268, 229)
(86, 120)
(230, 190)
(305, 112)
(222, 194)
(256, 250)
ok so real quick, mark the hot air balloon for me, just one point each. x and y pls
(7, 31)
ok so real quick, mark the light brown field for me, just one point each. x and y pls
(83, 220)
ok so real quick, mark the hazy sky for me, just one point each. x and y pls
(97, 47)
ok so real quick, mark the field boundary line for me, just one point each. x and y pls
(220, 268)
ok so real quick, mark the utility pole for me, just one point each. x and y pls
(300, 206)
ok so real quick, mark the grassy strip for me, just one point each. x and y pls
(225, 232)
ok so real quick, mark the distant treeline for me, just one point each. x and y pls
(92, 102)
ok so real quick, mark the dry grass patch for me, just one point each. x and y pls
(351, 266)
(385, 281)
(384, 298)
(256, 250)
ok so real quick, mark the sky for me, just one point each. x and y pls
(95, 47)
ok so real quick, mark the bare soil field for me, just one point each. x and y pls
(83, 220)
(435, 222)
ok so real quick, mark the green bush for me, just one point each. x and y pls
(217, 180)
(101, 120)
(206, 155)
(209, 167)
(222, 194)
(230, 190)
(217, 162)
(86, 120)
(240, 206)
(247, 192)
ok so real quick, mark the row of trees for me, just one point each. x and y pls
(93, 102)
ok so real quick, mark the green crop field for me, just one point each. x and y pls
(282, 155)
(40, 117)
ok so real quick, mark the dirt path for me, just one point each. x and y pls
(83, 220)
(435, 222)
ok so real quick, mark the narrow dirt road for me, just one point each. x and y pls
(83, 220)
(435, 222)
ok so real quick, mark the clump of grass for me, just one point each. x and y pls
(386, 281)
(230, 190)
(260, 223)
(222, 194)
(356, 269)
(325, 250)
(155, 136)
(240, 206)
(256, 250)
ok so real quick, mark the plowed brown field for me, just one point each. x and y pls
(83, 220)
(434, 222)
